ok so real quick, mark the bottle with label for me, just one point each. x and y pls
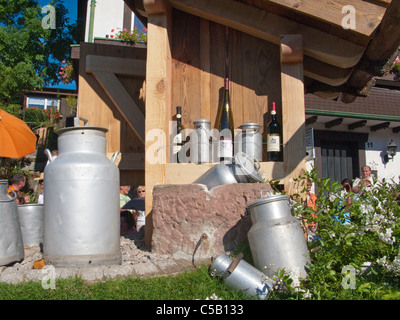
(178, 140)
(273, 137)
(225, 127)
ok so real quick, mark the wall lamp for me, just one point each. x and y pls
(390, 151)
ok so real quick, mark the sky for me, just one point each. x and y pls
(72, 7)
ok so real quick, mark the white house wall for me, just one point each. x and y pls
(375, 147)
(108, 15)
(375, 150)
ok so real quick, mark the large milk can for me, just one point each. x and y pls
(276, 238)
(251, 140)
(31, 221)
(81, 207)
(11, 245)
(239, 275)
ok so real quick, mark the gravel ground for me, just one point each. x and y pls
(137, 260)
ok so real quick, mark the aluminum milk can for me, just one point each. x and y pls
(244, 170)
(11, 245)
(81, 207)
(276, 238)
(239, 275)
(203, 151)
(31, 221)
(251, 140)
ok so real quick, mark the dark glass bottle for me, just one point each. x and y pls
(179, 140)
(225, 127)
(274, 137)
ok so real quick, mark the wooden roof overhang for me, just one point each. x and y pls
(339, 63)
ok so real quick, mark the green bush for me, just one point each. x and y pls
(358, 260)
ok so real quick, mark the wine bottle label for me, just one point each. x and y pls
(178, 138)
(176, 149)
(225, 148)
(273, 143)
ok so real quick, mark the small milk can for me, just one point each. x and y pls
(276, 238)
(251, 140)
(31, 221)
(239, 275)
(11, 245)
(201, 153)
(81, 207)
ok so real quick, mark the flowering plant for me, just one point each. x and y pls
(37, 118)
(66, 72)
(131, 36)
(364, 250)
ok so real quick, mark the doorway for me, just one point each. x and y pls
(339, 154)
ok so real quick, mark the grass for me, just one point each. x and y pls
(190, 285)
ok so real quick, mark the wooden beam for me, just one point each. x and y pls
(325, 73)
(259, 23)
(357, 124)
(333, 123)
(121, 66)
(293, 110)
(158, 107)
(154, 6)
(367, 15)
(396, 129)
(387, 38)
(380, 126)
(123, 102)
(311, 120)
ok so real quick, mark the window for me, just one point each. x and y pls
(43, 103)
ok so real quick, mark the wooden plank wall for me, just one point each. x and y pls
(95, 105)
(201, 50)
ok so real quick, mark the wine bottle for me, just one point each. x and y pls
(273, 137)
(225, 127)
(178, 140)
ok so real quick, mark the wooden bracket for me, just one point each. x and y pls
(154, 6)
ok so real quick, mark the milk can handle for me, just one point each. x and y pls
(234, 264)
(258, 166)
(15, 195)
(269, 193)
(114, 156)
(48, 154)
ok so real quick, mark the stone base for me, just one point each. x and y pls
(189, 216)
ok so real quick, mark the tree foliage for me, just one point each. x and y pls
(30, 55)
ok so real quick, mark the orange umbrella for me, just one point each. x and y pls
(16, 138)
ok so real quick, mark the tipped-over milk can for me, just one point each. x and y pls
(276, 238)
(239, 275)
(81, 207)
(11, 245)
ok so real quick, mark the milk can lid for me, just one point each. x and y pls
(250, 125)
(71, 129)
(249, 165)
(275, 197)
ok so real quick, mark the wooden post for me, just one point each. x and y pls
(158, 101)
(293, 110)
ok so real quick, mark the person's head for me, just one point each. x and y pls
(18, 181)
(365, 172)
(308, 186)
(141, 191)
(346, 183)
(365, 183)
(124, 189)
